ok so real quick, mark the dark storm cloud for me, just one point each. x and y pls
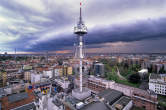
(54, 44)
(142, 30)
(22, 42)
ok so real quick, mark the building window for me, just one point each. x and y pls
(143, 97)
(144, 107)
(143, 102)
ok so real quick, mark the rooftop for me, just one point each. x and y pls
(110, 95)
(17, 97)
(143, 71)
(97, 79)
(155, 76)
(99, 64)
(95, 106)
(122, 102)
(158, 78)
(2, 92)
(144, 86)
(57, 102)
(17, 100)
(30, 106)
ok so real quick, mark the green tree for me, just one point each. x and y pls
(134, 78)
(162, 70)
(150, 69)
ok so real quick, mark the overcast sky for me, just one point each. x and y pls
(113, 25)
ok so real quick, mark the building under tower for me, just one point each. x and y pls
(80, 30)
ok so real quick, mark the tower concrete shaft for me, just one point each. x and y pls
(81, 57)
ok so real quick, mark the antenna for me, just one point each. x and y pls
(80, 12)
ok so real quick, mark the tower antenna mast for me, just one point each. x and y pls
(80, 30)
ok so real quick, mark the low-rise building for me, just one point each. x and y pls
(109, 96)
(99, 84)
(20, 101)
(48, 73)
(35, 77)
(62, 82)
(148, 98)
(124, 103)
(58, 71)
(145, 99)
(107, 99)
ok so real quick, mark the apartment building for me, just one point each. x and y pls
(157, 83)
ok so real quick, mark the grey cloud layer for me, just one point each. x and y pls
(96, 11)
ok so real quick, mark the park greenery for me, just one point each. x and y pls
(4, 58)
(129, 72)
(162, 101)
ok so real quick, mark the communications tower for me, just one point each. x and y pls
(80, 30)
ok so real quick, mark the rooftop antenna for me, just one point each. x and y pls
(80, 13)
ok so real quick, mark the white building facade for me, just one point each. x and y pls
(35, 77)
(157, 83)
(48, 73)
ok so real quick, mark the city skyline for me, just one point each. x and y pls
(114, 26)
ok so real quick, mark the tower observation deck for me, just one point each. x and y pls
(80, 30)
